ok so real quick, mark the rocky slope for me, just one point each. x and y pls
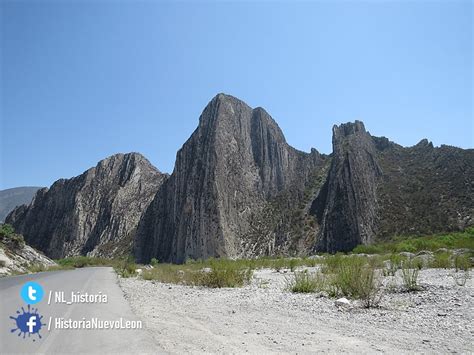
(11, 198)
(226, 175)
(377, 189)
(18, 257)
(95, 213)
(424, 189)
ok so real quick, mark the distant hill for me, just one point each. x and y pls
(11, 198)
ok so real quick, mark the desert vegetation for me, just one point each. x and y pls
(358, 275)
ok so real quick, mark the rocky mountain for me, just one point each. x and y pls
(217, 200)
(95, 213)
(377, 189)
(11, 198)
(347, 205)
(239, 189)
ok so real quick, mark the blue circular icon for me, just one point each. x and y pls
(32, 292)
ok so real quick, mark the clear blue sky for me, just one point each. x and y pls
(81, 80)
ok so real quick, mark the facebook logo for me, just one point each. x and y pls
(27, 322)
(31, 323)
(32, 292)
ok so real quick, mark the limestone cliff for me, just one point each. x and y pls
(235, 162)
(95, 213)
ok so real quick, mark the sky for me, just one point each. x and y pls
(82, 80)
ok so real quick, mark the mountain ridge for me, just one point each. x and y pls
(238, 189)
(14, 197)
(93, 213)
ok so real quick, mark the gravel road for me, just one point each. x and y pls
(264, 317)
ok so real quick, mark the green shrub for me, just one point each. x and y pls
(354, 277)
(293, 264)
(213, 273)
(3, 263)
(9, 238)
(167, 273)
(442, 261)
(37, 268)
(223, 274)
(462, 262)
(6, 230)
(410, 275)
(154, 262)
(311, 262)
(394, 264)
(126, 267)
(279, 264)
(455, 240)
(305, 282)
(331, 263)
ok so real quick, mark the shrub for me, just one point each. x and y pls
(462, 262)
(331, 263)
(311, 262)
(279, 264)
(37, 268)
(293, 264)
(213, 273)
(442, 261)
(224, 274)
(10, 238)
(393, 265)
(126, 267)
(369, 288)
(305, 282)
(353, 277)
(3, 263)
(410, 275)
(455, 240)
(6, 230)
(167, 273)
(154, 262)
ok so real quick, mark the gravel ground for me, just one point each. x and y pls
(263, 317)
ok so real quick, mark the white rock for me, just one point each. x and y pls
(342, 302)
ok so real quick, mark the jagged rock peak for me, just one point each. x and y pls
(224, 111)
(226, 172)
(128, 161)
(93, 213)
(346, 129)
(347, 206)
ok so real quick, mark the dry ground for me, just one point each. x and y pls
(263, 317)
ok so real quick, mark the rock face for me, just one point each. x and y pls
(347, 205)
(11, 198)
(95, 213)
(377, 189)
(239, 190)
(235, 162)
